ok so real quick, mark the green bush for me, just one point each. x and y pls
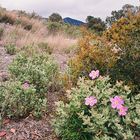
(10, 49)
(39, 69)
(45, 47)
(19, 100)
(55, 17)
(54, 27)
(72, 31)
(76, 120)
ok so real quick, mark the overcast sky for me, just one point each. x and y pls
(78, 9)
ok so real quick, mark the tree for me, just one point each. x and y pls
(115, 15)
(95, 24)
(124, 12)
(55, 17)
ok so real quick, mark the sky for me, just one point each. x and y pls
(78, 9)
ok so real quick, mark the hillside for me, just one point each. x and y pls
(74, 22)
(19, 32)
(60, 80)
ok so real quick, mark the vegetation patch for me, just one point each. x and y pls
(97, 110)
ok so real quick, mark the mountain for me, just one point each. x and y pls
(73, 21)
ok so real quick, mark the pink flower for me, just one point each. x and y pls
(116, 102)
(123, 111)
(94, 74)
(26, 85)
(91, 101)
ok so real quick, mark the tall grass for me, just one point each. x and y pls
(18, 35)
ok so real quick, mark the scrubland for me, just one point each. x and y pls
(71, 83)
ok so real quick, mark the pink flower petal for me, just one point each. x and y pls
(116, 102)
(90, 101)
(123, 111)
(97, 73)
(2, 133)
(25, 85)
(94, 74)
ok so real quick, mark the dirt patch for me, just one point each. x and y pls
(62, 60)
(5, 59)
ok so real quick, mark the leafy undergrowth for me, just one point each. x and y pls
(28, 127)
(98, 110)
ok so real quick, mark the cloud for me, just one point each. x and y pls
(79, 9)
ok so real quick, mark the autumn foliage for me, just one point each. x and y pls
(125, 33)
(94, 52)
(116, 52)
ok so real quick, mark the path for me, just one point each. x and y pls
(5, 60)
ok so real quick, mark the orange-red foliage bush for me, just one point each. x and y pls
(94, 52)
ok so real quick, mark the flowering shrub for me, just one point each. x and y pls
(20, 99)
(98, 110)
(115, 53)
(39, 70)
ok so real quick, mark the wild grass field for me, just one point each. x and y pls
(66, 82)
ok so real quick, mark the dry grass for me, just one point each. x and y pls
(60, 42)
(20, 37)
(16, 34)
(22, 20)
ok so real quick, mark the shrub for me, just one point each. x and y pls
(93, 53)
(95, 25)
(125, 34)
(20, 99)
(45, 47)
(71, 31)
(30, 50)
(39, 70)
(55, 17)
(71, 50)
(115, 53)
(90, 112)
(54, 27)
(60, 27)
(10, 49)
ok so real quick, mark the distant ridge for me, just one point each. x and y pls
(71, 21)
